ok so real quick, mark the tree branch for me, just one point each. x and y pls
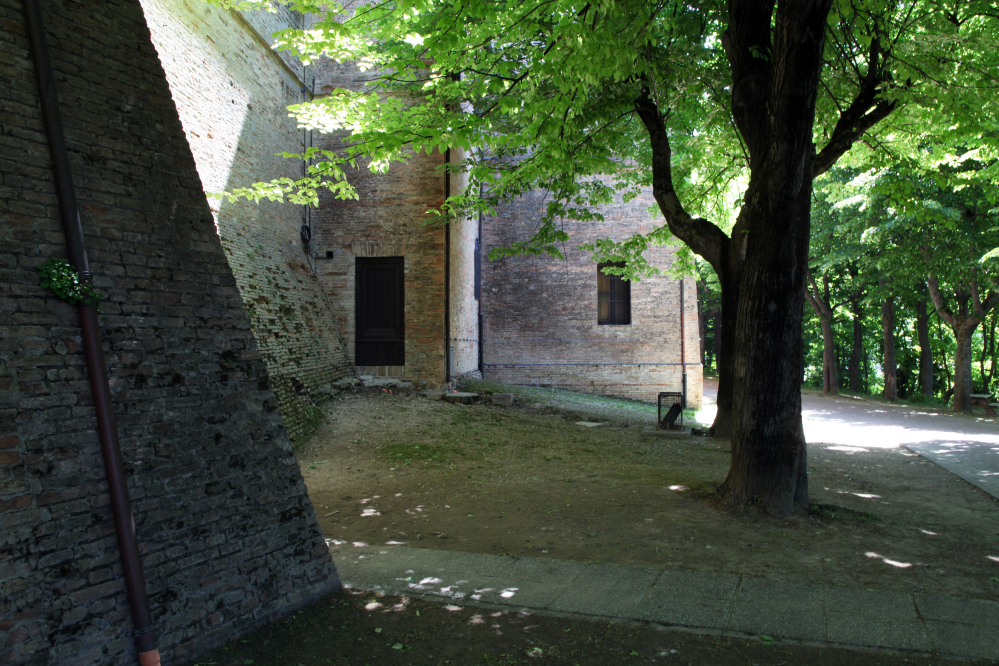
(703, 237)
(859, 116)
(938, 300)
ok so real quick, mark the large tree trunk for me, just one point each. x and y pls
(925, 352)
(769, 463)
(776, 59)
(888, 333)
(725, 343)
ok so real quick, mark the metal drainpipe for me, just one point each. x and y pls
(683, 349)
(448, 351)
(145, 643)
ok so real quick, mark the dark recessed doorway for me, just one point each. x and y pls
(379, 301)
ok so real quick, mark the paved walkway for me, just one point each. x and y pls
(738, 605)
(967, 446)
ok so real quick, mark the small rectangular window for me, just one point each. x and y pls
(613, 297)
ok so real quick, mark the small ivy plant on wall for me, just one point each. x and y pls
(59, 277)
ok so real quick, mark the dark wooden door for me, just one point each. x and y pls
(379, 300)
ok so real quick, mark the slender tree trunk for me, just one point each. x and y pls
(716, 324)
(820, 304)
(702, 329)
(925, 351)
(830, 384)
(888, 332)
(988, 352)
(856, 354)
(962, 366)
(992, 353)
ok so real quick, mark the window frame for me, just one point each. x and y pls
(614, 292)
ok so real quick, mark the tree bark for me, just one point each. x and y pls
(888, 333)
(962, 366)
(820, 304)
(925, 352)
(717, 324)
(725, 343)
(857, 353)
(988, 352)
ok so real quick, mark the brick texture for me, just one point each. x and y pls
(231, 91)
(390, 220)
(540, 313)
(228, 536)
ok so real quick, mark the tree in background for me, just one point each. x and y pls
(918, 233)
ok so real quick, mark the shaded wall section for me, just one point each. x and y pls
(231, 91)
(540, 313)
(228, 536)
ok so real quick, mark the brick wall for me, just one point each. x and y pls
(231, 91)
(388, 220)
(228, 536)
(540, 314)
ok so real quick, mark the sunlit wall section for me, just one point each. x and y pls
(231, 90)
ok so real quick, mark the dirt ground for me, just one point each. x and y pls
(528, 481)
(363, 629)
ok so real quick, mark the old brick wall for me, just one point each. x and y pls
(229, 538)
(231, 91)
(540, 313)
(389, 219)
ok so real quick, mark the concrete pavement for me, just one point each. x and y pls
(734, 605)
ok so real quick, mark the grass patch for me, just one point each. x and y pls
(404, 453)
(833, 512)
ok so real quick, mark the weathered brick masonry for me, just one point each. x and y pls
(231, 90)
(540, 313)
(229, 538)
(389, 220)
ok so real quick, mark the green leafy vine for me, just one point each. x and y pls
(59, 277)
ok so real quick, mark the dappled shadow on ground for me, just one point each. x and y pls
(361, 628)
(389, 470)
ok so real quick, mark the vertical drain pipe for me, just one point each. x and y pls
(128, 546)
(683, 349)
